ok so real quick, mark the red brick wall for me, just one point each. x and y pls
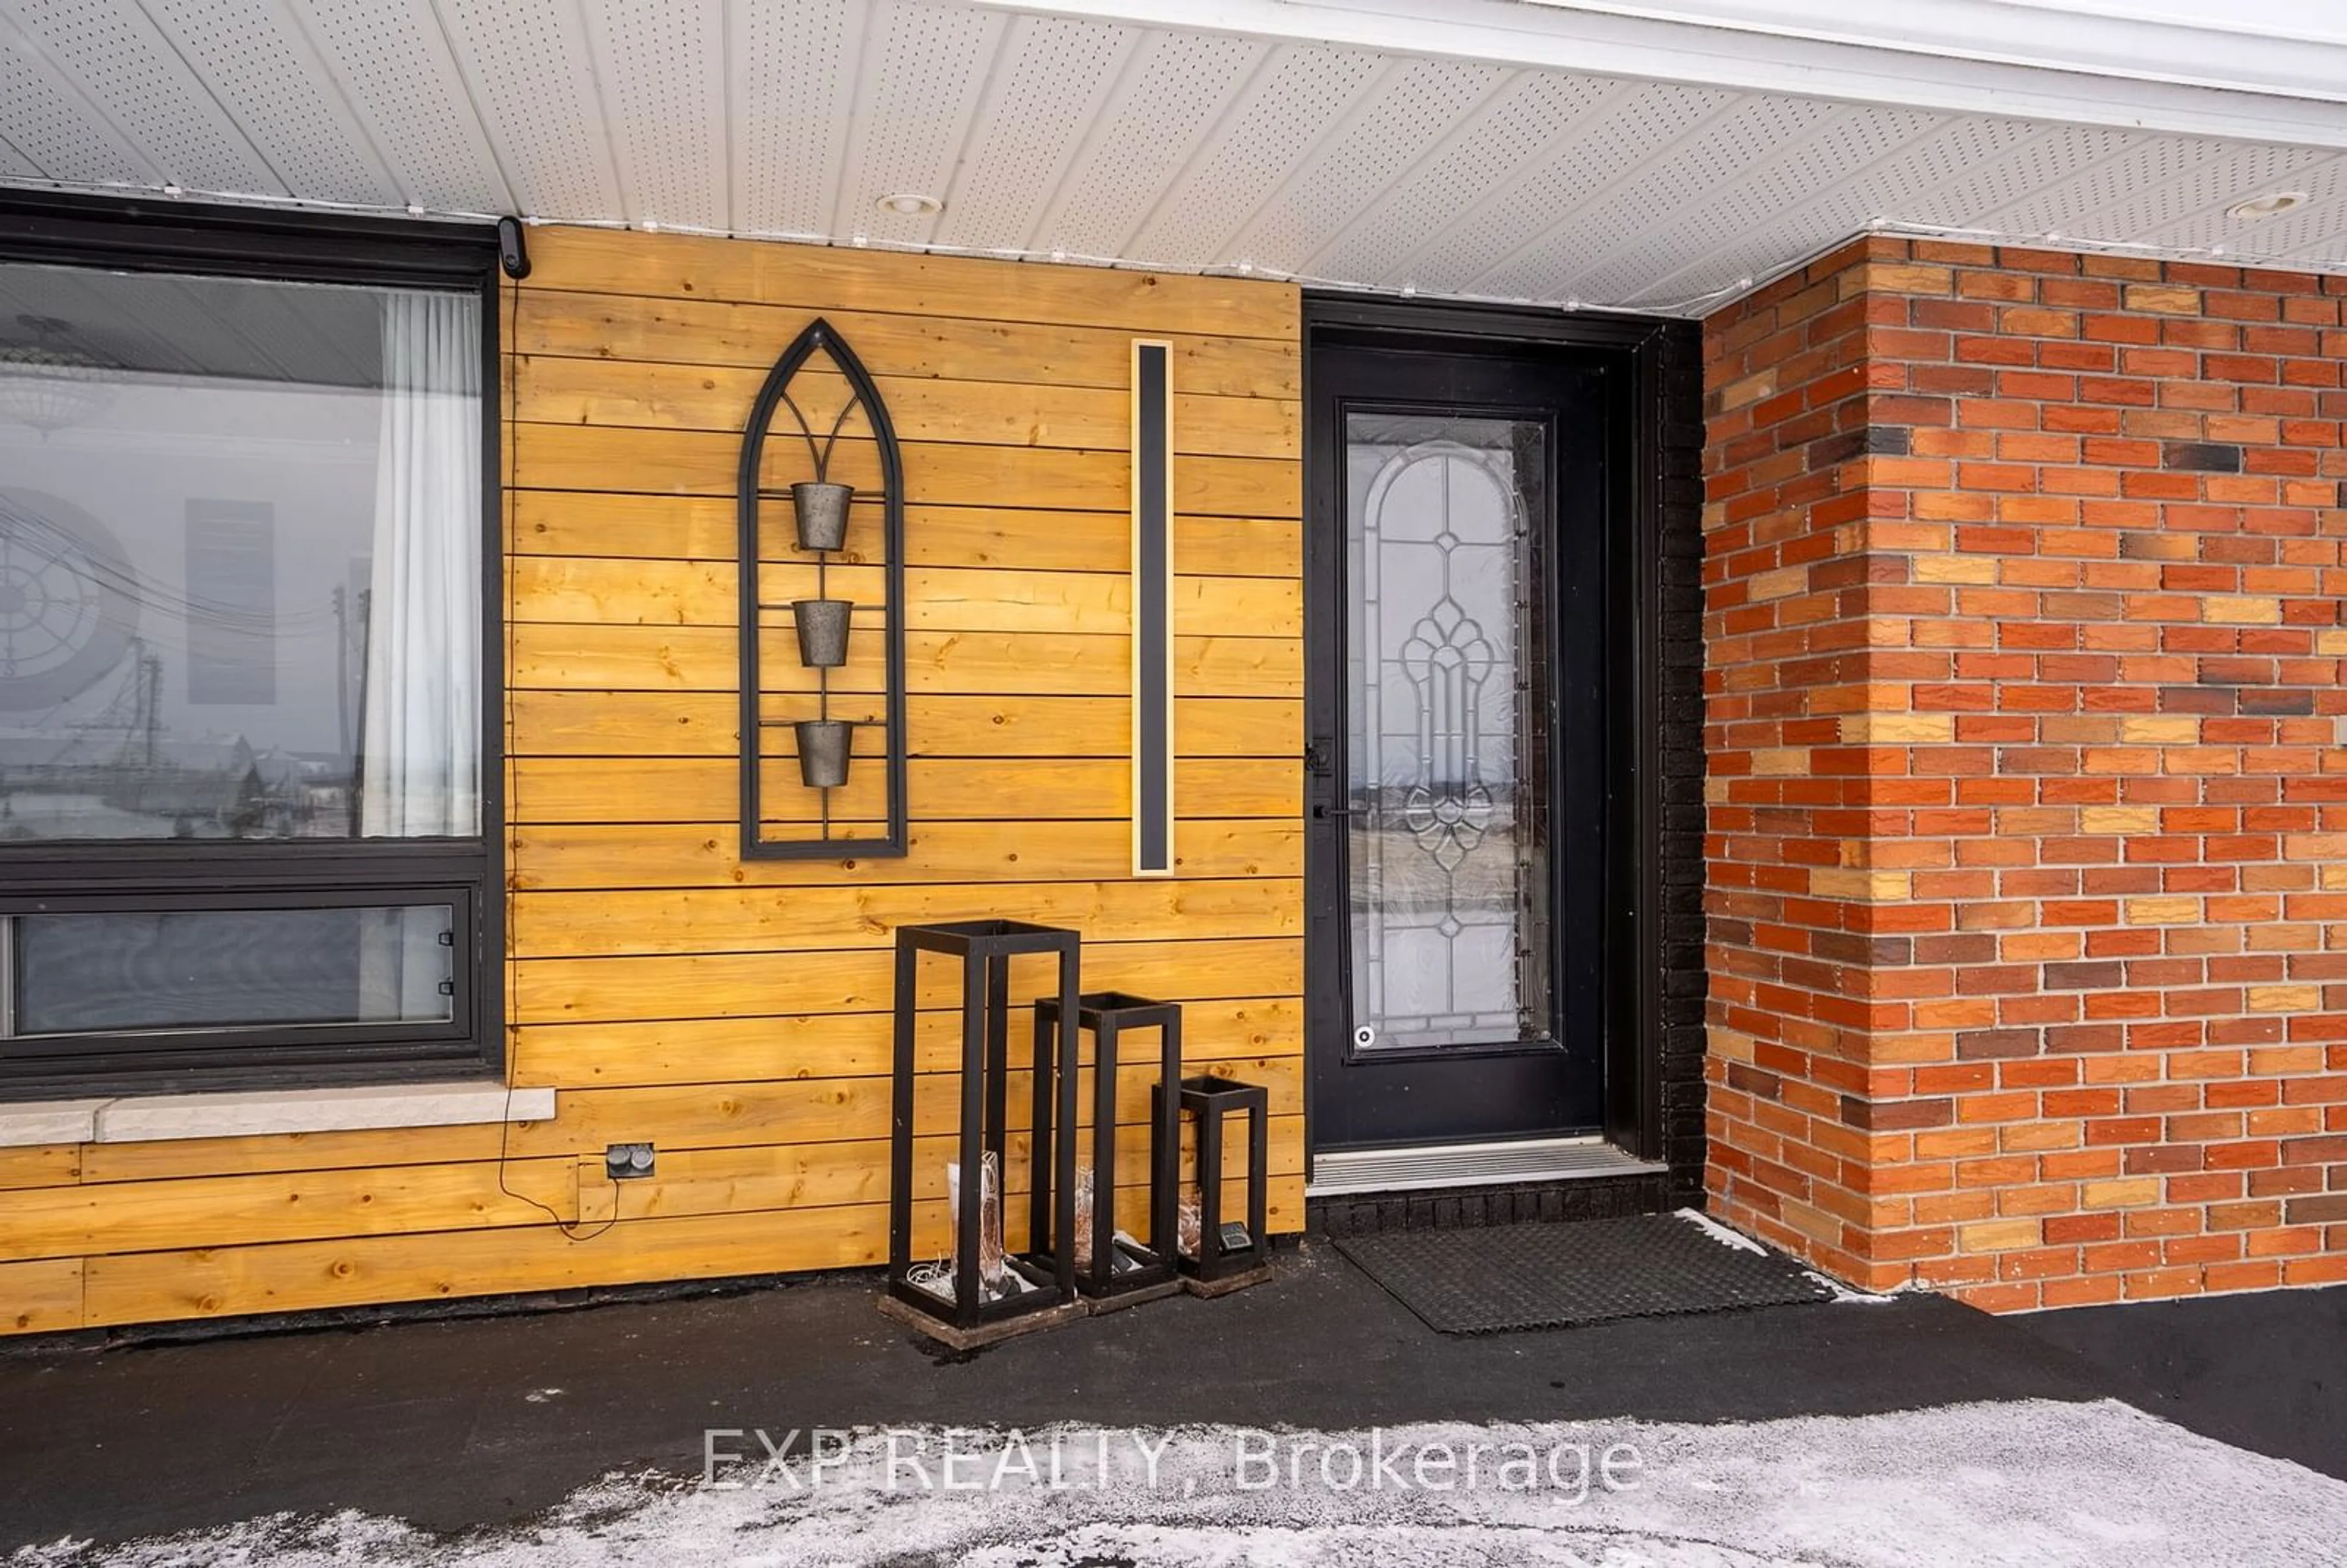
(2027, 805)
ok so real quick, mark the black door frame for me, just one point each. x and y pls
(1634, 354)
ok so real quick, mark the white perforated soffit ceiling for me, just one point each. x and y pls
(1087, 141)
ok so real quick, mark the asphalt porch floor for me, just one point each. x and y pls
(454, 1423)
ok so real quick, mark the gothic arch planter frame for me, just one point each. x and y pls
(756, 502)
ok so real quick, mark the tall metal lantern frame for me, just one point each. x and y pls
(1045, 1270)
(1120, 1270)
(754, 501)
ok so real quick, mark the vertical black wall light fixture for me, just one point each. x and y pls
(1152, 608)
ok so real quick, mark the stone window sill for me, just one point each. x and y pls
(151, 1118)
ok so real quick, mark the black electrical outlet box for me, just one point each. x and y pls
(627, 1162)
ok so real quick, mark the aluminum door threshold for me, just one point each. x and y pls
(1342, 1172)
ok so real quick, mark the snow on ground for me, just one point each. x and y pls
(2034, 1484)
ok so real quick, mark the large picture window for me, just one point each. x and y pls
(243, 820)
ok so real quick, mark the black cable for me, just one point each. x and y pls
(572, 1230)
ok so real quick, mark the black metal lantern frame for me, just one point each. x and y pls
(819, 508)
(1126, 1273)
(1230, 1256)
(1046, 1270)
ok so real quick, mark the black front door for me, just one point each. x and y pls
(1458, 788)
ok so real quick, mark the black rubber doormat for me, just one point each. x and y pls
(1557, 1274)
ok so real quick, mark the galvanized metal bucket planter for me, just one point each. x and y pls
(821, 510)
(823, 750)
(822, 631)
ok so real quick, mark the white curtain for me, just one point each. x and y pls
(420, 770)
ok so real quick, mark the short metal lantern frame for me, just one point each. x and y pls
(1212, 1100)
(825, 752)
(1147, 1266)
(985, 948)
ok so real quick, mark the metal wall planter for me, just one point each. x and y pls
(822, 631)
(820, 509)
(824, 747)
(822, 724)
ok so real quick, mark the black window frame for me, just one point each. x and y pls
(65, 876)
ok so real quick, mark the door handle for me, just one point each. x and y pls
(1324, 811)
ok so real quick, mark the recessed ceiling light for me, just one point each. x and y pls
(907, 204)
(2267, 206)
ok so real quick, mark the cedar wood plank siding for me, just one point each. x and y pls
(735, 1014)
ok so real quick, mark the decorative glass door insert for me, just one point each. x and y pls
(1447, 697)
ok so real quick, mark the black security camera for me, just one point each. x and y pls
(513, 254)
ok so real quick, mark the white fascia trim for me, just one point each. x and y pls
(2027, 61)
(151, 1118)
(2234, 53)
